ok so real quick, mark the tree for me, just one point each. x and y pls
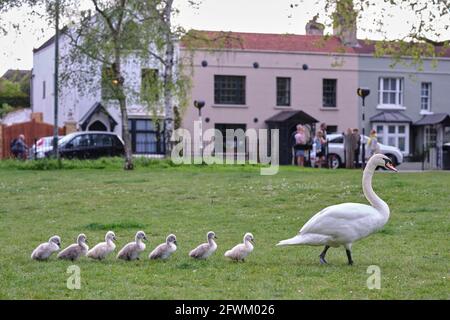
(120, 31)
(424, 37)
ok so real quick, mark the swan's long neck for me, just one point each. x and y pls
(370, 195)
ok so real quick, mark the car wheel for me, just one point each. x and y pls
(334, 162)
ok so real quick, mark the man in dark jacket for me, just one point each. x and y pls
(19, 148)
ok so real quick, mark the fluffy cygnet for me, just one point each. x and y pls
(164, 250)
(204, 250)
(76, 250)
(242, 250)
(132, 250)
(102, 249)
(45, 250)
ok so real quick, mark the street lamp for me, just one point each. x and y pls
(363, 93)
(56, 84)
(199, 104)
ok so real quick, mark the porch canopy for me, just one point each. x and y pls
(96, 109)
(286, 122)
(433, 119)
(391, 116)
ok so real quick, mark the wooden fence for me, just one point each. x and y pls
(32, 130)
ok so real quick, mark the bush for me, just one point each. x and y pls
(115, 163)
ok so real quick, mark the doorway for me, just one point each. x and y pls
(97, 126)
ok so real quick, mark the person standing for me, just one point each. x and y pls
(357, 146)
(323, 128)
(19, 148)
(348, 148)
(319, 143)
(299, 145)
(372, 144)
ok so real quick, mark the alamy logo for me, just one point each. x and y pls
(374, 280)
(250, 146)
(74, 280)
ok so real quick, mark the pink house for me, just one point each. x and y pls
(246, 79)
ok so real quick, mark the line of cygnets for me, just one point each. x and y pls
(132, 250)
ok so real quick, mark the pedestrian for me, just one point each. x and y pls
(357, 146)
(300, 139)
(319, 144)
(372, 144)
(323, 128)
(348, 148)
(19, 148)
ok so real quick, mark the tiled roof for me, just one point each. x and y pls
(277, 42)
(431, 119)
(264, 41)
(16, 75)
(390, 116)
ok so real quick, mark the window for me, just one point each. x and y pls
(329, 92)
(430, 137)
(43, 89)
(339, 139)
(425, 96)
(229, 89)
(391, 91)
(332, 129)
(283, 92)
(81, 141)
(394, 134)
(234, 143)
(147, 137)
(149, 85)
(107, 85)
(102, 140)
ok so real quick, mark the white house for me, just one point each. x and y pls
(91, 109)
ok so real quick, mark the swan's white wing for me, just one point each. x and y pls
(344, 222)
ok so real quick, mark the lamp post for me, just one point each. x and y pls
(363, 93)
(199, 104)
(55, 82)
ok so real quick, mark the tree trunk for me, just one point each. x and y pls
(168, 78)
(128, 165)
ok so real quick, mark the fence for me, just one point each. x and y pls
(32, 131)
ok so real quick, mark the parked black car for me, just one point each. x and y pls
(89, 145)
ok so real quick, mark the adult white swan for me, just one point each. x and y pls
(346, 223)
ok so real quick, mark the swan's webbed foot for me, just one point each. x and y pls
(349, 256)
(322, 255)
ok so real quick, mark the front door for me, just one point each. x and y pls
(97, 126)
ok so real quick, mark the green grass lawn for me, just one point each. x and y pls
(412, 250)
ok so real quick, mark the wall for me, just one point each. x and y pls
(306, 86)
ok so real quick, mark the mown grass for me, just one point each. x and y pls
(411, 251)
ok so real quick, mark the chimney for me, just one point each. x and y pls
(344, 23)
(314, 28)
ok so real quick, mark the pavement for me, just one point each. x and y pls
(415, 167)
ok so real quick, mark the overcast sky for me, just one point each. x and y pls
(266, 16)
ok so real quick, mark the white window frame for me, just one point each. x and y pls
(426, 110)
(399, 85)
(384, 137)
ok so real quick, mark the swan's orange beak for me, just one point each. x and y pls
(391, 167)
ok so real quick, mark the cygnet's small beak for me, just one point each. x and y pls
(176, 243)
(145, 238)
(215, 237)
(86, 240)
(114, 238)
